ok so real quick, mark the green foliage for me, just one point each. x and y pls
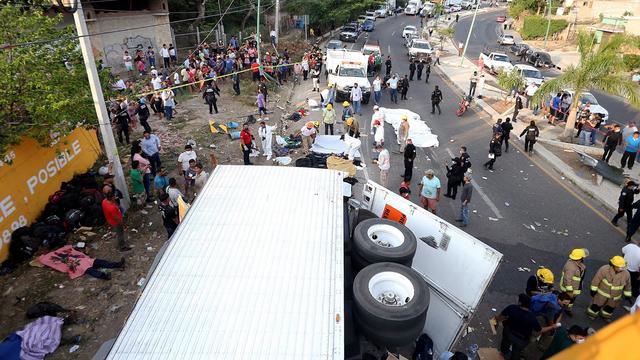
(39, 96)
(602, 69)
(631, 61)
(510, 80)
(445, 34)
(518, 7)
(535, 27)
(325, 13)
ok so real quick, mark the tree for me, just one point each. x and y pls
(445, 34)
(325, 13)
(44, 90)
(602, 69)
(510, 81)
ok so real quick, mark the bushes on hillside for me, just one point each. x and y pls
(631, 61)
(536, 26)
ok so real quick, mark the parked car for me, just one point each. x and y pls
(501, 18)
(409, 30)
(409, 39)
(349, 33)
(505, 39)
(594, 106)
(368, 25)
(373, 13)
(519, 49)
(455, 7)
(540, 59)
(447, 10)
(529, 73)
(468, 4)
(334, 44)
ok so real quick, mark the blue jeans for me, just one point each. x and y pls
(593, 136)
(585, 138)
(356, 107)
(377, 95)
(464, 214)
(168, 112)
(394, 95)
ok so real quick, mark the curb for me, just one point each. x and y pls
(575, 147)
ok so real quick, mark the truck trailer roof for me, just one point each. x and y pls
(254, 271)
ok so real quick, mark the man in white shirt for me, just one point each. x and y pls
(377, 90)
(356, 98)
(156, 82)
(184, 157)
(168, 102)
(393, 88)
(632, 259)
(384, 164)
(529, 91)
(272, 34)
(353, 145)
(166, 59)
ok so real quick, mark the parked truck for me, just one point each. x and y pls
(346, 68)
(495, 60)
(276, 280)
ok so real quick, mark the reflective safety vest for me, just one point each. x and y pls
(572, 276)
(610, 284)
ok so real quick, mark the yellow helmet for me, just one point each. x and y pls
(346, 103)
(349, 121)
(618, 261)
(545, 275)
(329, 107)
(578, 254)
(404, 117)
(330, 84)
(316, 123)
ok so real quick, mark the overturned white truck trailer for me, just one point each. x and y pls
(256, 270)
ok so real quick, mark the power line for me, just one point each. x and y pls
(37, 42)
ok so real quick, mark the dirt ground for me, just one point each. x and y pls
(102, 306)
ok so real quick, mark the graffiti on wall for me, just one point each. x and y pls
(113, 52)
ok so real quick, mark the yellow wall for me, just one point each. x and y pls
(30, 173)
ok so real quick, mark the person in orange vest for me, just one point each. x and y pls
(611, 282)
(573, 275)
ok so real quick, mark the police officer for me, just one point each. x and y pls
(209, 96)
(427, 70)
(143, 114)
(625, 202)
(412, 69)
(420, 67)
(530, 134)
(436, 98)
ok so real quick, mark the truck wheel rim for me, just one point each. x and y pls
(391, 288)
(385, 236)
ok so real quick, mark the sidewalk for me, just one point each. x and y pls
(561, 156)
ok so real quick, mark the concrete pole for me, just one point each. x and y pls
(258, 37)
(108, 140)
(466, 43)
(546, 35)
(277, 21)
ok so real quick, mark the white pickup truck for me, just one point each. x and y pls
(496, 61)
(346, 68)
(286, 284)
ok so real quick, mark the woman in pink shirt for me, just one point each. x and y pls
(145, 168)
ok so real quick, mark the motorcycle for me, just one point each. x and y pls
(464, 105)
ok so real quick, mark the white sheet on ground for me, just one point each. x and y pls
(330, 144)
(419, 132)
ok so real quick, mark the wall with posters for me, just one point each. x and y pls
(29, 173)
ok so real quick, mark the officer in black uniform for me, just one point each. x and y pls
(436, 98)
(625, 202)
(209, 96)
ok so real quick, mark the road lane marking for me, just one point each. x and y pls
(389, 49)
(482, 194)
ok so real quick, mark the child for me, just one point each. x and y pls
(190, 177)
(161, 181)
(136, 179)
(405, 188)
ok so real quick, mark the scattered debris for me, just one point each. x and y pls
(537, 223)
(524, 269)
(80, 307)
(144, 212)
(114, 307)
(506, 204)
(475, 211)
(545, 219)
(525, 179)
(74, 348)
(492, 218)
(494, 309)
(452, 140)
(134, 230)
(141, 282)
(561, 177)
(149, 248)
(8, 291)
(83, 238)
(521, 171)
(484, 178)
(90, 233)
(533, 261)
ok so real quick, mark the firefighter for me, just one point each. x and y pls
(573, 275)
(540, 283)
(607, 288)
(352, 127)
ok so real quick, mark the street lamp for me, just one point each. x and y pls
(466, 43)
(546, 35)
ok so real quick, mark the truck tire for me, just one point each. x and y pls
(382, 240)
(389, 339)
(392, 297)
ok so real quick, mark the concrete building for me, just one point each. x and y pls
(593, 9)
(148, 18)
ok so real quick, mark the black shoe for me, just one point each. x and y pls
(615, 223)
(447, 195)
(627, 239)
(459, 220)
(121, 263)
(124, 248)
(453, 198)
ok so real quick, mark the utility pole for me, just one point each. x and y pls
(277, 21)
(546, 35)
(466, 43)
(258, 37)
(109, 142)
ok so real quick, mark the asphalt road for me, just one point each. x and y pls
(486, 31)
(521, 191)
